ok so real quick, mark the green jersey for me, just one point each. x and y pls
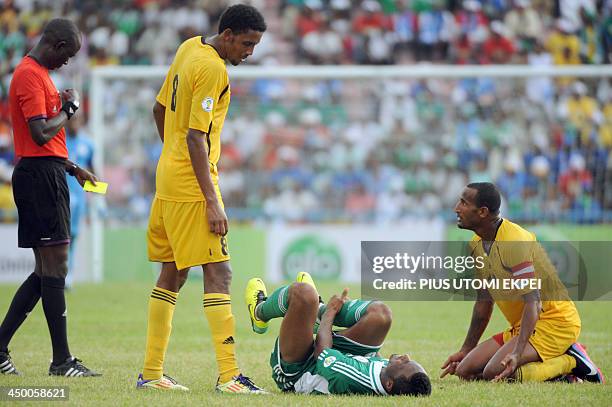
(339, 373)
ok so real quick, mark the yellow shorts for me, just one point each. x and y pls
(550, 338)
(178, 232)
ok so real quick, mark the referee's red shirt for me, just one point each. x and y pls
(32, 95)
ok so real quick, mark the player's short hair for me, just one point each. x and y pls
(487, 195)
(60, 29)
(241, 18)
(418, 385)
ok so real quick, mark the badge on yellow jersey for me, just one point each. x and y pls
(207, 104)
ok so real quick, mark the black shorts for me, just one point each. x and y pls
(43, 201)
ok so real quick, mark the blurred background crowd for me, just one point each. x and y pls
(345, 151)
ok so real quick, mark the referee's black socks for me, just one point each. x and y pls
(54, 305)
(23, 302)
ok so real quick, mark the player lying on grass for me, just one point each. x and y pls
(540, 343)
(336, 362)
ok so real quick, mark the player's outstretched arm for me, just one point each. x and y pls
(481, 315)
(324, 336)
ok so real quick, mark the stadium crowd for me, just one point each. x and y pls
(346, 151)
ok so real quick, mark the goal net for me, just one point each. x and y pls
(364, 144)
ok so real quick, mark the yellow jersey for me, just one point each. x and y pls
(196, 95)
(565, 49)
(515, 254)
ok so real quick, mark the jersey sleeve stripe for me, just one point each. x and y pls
(223, 92)
(37, 117)
(208, 137)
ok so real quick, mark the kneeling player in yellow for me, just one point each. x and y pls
(541, 342)
(336, 362)
(187, 224)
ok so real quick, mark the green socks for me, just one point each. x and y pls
(349, 314)
(275, 305)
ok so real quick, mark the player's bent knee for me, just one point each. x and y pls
(381, 313)
(464, 371)
(303, 294)
(489, 373)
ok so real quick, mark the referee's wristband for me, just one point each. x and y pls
(72, 170)
(70, 108)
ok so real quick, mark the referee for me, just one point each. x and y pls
(38, 114)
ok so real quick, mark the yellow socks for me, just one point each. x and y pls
(161, 309)
(218, 311)
(542, 371)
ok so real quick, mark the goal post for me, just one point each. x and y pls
(104, 78)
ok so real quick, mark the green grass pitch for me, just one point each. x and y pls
(107, 325)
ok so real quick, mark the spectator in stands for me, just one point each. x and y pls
(497, 49)
(512, 181)
(323, 46)
(563, 44)
(570, 11)
(436, 30)
(370, 17)
(405, 25)
(581, 110)
(309, 19)
(359, 203)
(471, 21)
(540, 89)
(524, 24)
(591, 37)
(463, 50)
(575, 181)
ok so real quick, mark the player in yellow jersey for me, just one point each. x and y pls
(541, 342)
(187, 224)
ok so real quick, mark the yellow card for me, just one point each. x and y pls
(99, 188)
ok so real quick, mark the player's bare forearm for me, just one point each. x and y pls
(199, 162)
(43, 130)
(215, 214)
(528, 322)
(481, 315)
(159, 115)
(324, 335)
